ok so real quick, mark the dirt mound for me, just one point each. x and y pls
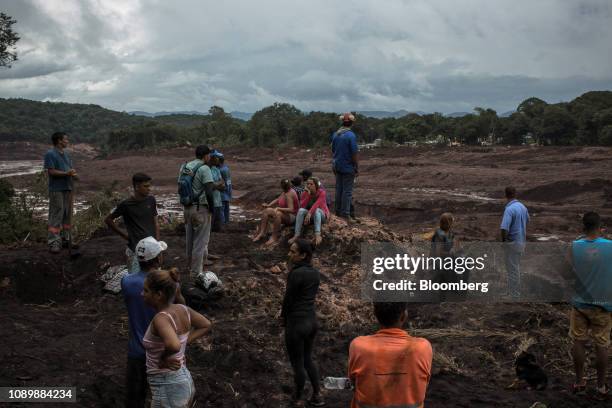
(559, 190)
(59, 327)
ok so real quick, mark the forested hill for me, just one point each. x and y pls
(586, 120)
(22, 119)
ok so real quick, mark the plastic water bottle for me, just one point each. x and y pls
(337, 383)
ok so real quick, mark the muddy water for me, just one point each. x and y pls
(40, 205)
(170, 210)
(168, 207)
(453, 193)
(11, 168)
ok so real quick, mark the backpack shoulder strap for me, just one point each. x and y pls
(196, 168)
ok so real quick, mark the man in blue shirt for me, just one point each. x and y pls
(345, 165)
(226, 195)
(219, 186)
(61, 175)
(591, 258)
(514, 234)
(148, 252)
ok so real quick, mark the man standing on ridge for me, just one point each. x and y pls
(198, 215)
(61, 175)
(226, 195)
(514, 234)
(345, 165)
(591, 258)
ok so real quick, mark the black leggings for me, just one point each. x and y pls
(299, 338)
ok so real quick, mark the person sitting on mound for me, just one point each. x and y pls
(287, 205)
(313, 207)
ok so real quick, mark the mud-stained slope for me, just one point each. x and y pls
(59, 327)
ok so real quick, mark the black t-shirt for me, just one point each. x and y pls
(138, 217)
(302, 288)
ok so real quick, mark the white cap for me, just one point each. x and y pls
(149, 248)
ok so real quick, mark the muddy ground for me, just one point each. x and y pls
(60, 328)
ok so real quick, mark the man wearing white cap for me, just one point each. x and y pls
(345, 165)
(148, 251)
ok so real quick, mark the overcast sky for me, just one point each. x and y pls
(443, 56)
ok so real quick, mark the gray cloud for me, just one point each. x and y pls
(416, 55)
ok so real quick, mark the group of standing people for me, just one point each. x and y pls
(161, 325)
(208, 182)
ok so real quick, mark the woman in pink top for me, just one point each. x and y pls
(172, 328)
(281, 211)
(313, 207)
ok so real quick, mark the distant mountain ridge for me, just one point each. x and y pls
(235, 114)
(247, 115)
(387, 114)
(165, 113)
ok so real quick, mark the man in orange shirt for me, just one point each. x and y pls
(389, 368)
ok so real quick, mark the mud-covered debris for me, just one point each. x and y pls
(347, 238)
(112, 278)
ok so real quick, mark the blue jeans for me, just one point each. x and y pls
(317, 219)
(217, 219)
(173, 389)
(344, 193)
(226, 212)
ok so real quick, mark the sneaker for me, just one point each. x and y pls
(316, 401)
(579, 389)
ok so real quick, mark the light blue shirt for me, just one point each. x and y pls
(202, 177)
(515, 221)
(225, 173)
(593, 268)
(216, 175)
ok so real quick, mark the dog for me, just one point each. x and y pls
(529, 371)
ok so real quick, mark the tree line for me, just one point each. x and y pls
(586, 120)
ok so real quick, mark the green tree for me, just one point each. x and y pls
(556, 126)
(532, 107)
(271, 125)
(605, 136)
(8, 39)
(513, 129)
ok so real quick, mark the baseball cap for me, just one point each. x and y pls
(216, 153)
(149, 248)
(347, 117)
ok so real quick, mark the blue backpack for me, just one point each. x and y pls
(185, 185)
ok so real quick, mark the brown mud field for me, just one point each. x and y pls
(59, 328)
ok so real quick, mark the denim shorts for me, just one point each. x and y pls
(173, 389)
